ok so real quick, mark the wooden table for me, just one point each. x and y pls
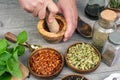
(15, 20)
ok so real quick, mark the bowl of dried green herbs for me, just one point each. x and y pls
(82, 57)
(114, 5)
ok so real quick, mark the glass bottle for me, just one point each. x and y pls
(111, 49)
(103, 27)
(93, 8)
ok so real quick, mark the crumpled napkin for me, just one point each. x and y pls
(112, 76)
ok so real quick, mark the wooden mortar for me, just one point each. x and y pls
(50, 36)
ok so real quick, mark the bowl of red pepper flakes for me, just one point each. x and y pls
(45, 63)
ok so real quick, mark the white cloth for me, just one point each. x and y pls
(112, 76)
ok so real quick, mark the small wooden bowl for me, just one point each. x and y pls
(78, 69)
(84, 29)
(34, 60)
(74, 77)
(49, 36)
(114, 9)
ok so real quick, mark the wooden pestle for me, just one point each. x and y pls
(53, 26)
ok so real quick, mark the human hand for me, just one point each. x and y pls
(38, 7)
(69, 10)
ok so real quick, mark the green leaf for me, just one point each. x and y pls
(5, 76)
(5, 56)
(13, 68)
(15, 56)
(2, 69)
(21, 50)
(2, 62)
(3, 45)
(22, 37)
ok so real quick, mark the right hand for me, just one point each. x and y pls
(38, 7)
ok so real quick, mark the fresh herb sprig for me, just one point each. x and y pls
(9, 64)
(114, 4)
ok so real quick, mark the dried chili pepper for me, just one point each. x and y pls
(45, 62)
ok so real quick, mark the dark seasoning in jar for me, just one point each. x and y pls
(111, 49)
(92, 11)
(93, 8)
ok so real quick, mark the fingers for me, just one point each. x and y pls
(71, 20)
(26, 6)
(38, 7)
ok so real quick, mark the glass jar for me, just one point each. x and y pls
(111, 49)
(103, 27)
(93, 8)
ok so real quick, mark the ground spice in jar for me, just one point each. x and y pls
(45, 62)
(103, 27)
(111, 49)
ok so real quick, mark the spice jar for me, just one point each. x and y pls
(111, 49)
(103, 27)
(93, 8)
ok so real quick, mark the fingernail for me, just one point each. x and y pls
(64, 40)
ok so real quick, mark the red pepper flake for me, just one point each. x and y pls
(45, 62)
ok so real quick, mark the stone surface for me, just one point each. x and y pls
(15, 19)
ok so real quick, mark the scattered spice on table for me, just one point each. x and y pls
(45, 62)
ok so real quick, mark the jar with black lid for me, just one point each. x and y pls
(93, 8)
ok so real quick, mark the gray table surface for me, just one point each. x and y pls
(15, 19)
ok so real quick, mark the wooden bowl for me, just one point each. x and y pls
(79, 57)
(74, 77)
(49, 36)
(45, 63)
(84, 29)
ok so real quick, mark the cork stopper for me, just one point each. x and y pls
(108, 15)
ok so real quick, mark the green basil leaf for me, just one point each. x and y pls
(21, 50)
(13, 68)
(5, 76)
(5, 56)
(2, 69)
(15, 56)
(3, 45)
(22, 37)
(2, 62)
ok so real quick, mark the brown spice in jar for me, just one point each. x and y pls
(45, 62)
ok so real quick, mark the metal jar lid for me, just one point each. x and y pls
(114, 37)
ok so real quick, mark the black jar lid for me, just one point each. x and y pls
(114, 37)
